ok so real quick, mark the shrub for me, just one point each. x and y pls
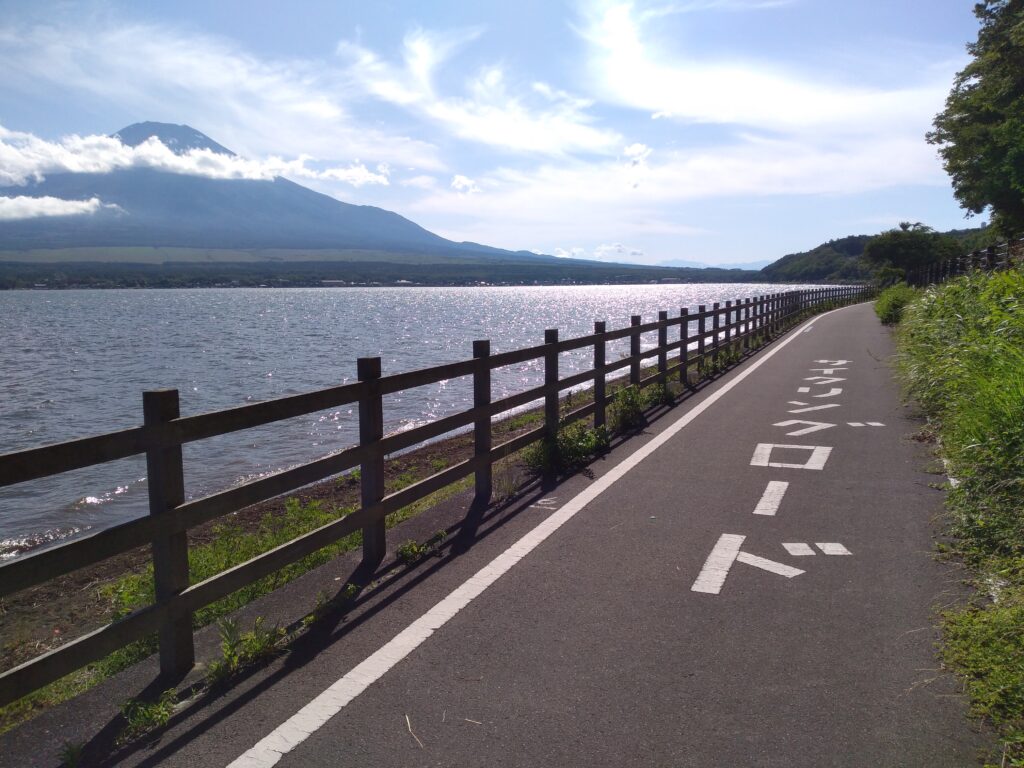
(627, 409)
(574, 447)
(890, 303)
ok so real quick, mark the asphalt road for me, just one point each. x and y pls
(706, 608)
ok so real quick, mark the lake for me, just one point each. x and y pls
(75, 363)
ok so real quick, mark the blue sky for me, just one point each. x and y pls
(718, 131)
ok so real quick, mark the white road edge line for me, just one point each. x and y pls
(296, 729)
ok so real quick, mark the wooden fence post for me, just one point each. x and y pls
(702, 329)
(599, 379)
(662, 343)
(371, 432)
(684, 350)
(482, 420)
(551, 380)
(166, 481)
(728, 326)
(715, 324)
(746, 324)
(634, 351)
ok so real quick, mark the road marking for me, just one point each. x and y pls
(771, 498)
(726, 552)
(549, 502)
(812, 426)
(798, 550)
(763, 454)
(822, 380)
(875, 424)
(829, 371)
(831, 393)
(861, 424)
(833, 362)
(716, 567)
(803, 390)
(833, 548)
(810, 408)
(293, 731)
(768, 565)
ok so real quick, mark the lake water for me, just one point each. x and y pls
(75, 363)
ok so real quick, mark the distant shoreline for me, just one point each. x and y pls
(310, 274)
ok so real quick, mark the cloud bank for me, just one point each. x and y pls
(26, 158)
(21, 207)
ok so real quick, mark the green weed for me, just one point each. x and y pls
(71, 754)
(241, 650)
(142, 717)
(325, 605)
(411, 551)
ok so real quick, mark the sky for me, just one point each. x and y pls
(715, 131)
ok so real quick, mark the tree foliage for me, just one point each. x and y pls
(910, 247)
(980, 133)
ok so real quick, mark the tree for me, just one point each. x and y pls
(910, 247)
(980, 133)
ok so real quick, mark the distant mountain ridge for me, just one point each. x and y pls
(147, 207)
(840, 259)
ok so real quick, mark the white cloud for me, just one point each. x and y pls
(637, 154)
(537, 118)
(614, 201)
(421, 181)
(632, 70)
(603, 252)
(571, 253)
(616, 252)
(464, 185)
(254, 105)
(21, 207)
(25, 157)
(712, 5)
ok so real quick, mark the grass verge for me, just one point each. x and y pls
(961, 348)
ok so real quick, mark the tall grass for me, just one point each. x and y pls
(962, 358)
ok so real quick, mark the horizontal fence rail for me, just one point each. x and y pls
(690, 339)
(992, 259)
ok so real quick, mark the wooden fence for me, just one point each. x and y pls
(991, 259)
(738, 323)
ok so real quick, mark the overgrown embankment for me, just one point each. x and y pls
(962, 359)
